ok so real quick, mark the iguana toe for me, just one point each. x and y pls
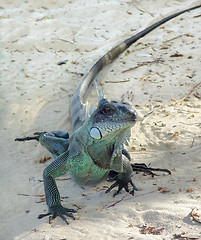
(121, 185)
(59, 211)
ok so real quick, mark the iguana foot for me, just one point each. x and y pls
(122, 184)
(27, 139)
(142, 167)
(58, 211)
(36, 137)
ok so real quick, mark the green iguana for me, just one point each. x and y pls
(95, 149)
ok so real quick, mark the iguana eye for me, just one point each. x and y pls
(95, 133)
(107, 110)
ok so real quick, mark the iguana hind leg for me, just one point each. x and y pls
(142, 167)
(56, 142)
(27, 139)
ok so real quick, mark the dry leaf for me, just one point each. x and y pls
(163, 190)
(26, 75)
(38, 195)
(189, 190)
(45, 159)
(197, 16)
(177, 55)
(176, 134)
(151, 230)
(195, 214)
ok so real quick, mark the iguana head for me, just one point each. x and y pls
(109, 128)
(111, 119)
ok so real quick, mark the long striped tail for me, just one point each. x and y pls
(78, 101)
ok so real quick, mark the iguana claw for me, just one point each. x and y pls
(121, 185)
(142, 167)
(58, 211)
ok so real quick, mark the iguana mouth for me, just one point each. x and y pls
(129, 118)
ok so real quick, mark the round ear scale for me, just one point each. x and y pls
(95, 133)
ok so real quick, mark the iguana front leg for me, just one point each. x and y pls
(58, 167)
(123, 179)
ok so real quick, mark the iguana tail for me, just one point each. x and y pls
(77, 106)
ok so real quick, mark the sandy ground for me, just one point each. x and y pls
(35, 95)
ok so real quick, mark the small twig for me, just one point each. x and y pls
(192, 142)
(179, 236)
(83, 212)
(78, 207)
(190, 91)
(105, 206)
(33, 195)
(22, 194)
(142, 10)
(181, 100)
(42, 18)
(112, 205)
(181, 35)
(64, 40)
(197, 16)
(63, 179)
(194, 215)
(146, 116)
(41, 201)
(117, 81)
(169, 40)
(38, 49)
(58, 179)
(158, 60)
(41, 196)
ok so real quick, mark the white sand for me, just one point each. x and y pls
(35, 95)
